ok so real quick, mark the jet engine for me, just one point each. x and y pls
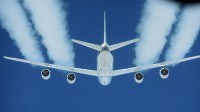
(45, 73)
(71, 78)
(138, 77)
(164, 73)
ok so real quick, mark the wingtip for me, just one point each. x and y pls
(5, 57)
(137, 39)
(72, 40)
(198, 56)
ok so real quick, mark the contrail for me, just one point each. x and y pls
(185, 34)
(155, 25)
(50, 22)
(13, 20)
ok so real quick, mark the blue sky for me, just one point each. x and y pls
(23, 90)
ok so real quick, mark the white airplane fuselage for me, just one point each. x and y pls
(105, 66)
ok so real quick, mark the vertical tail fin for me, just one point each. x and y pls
(105, 28)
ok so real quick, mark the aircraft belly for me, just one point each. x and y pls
(105, 63)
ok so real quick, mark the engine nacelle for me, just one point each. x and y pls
(71, 78)
(164, 73)
(45, 73)
(138, 77)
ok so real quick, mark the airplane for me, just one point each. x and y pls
(105, 60)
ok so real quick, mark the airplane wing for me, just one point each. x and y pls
(140, 68)
(69, 69)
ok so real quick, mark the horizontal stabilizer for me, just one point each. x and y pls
(86, 44)
(122, 44)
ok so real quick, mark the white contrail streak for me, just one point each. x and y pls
(14, 21)
(185, 34)
(155, 25)
(50, 22)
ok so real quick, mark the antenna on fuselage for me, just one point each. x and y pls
(105, 41)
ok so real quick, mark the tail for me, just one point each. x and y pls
(94, 46)
(110, 47)
(115, 46)
(105, 38)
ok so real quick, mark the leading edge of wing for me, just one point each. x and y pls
(140, 68)
(69, 69)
